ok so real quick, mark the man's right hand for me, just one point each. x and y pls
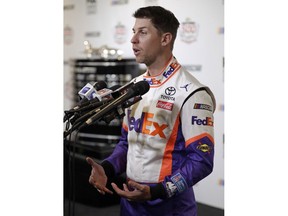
(98, 177)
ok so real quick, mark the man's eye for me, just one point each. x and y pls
(143, 32)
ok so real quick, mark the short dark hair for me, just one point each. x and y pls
(162, 19)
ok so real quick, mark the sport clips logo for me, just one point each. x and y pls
(145, 125)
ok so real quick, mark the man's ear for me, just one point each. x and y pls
(166, 39)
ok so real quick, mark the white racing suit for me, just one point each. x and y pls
(167, 142)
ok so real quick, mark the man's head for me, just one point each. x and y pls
(163, 20)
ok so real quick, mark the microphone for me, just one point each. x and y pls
(87, 93)
(84, 110)
(110, 107)
(101, 98)
(95, 103)
(80, 117)
(137, 89)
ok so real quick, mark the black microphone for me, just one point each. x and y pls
(100, 85)
(84, 110)
(102, 98)
(123, 99)
(114, 92)
(139, 88)
(87, 93)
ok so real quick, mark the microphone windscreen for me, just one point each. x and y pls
(141, 87)
(100, 85)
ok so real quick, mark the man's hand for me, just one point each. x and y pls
(139, 192)
(98, 177)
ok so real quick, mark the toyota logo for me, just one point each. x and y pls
(170, 91)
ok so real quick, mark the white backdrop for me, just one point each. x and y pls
(199, 47)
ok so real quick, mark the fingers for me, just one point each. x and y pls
(125, 188)
(135, 185)
(144, 190)
(116, 188)
(131, 195)
(108, 191)
(103, 189)
(91, 180)
(90, 161)
(123, 193)
(98, 178)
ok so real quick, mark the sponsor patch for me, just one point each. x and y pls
(170, 69)
(152, 81)
(206, 122)
(170, 91)
(165, 97)
(145, 125)
(203, 107)
(185, 86)
(179, 182)
(171, 189)
(164, 105)
(204, 147)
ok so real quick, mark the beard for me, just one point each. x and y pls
(145, 59)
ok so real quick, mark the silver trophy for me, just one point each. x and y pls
(104, 52)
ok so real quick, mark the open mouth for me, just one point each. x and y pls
(136, 51)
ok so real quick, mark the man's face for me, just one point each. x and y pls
(146, 41)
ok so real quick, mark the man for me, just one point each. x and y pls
(167, 142)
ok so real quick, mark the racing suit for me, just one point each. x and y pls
(167, 142)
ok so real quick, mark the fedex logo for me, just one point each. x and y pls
(170, 70)
(145, 125)
(152, 81)
(207, 121)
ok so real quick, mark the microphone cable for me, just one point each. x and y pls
(70, 175)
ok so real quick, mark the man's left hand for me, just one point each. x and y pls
(139, 192)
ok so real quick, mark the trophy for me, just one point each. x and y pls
(104, 52)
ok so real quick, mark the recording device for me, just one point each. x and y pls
(89, 108)
(88, 92)
(131, 96)
(111, 108)
(102, 95)
(85, 110)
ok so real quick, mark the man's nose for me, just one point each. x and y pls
(134, 39)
